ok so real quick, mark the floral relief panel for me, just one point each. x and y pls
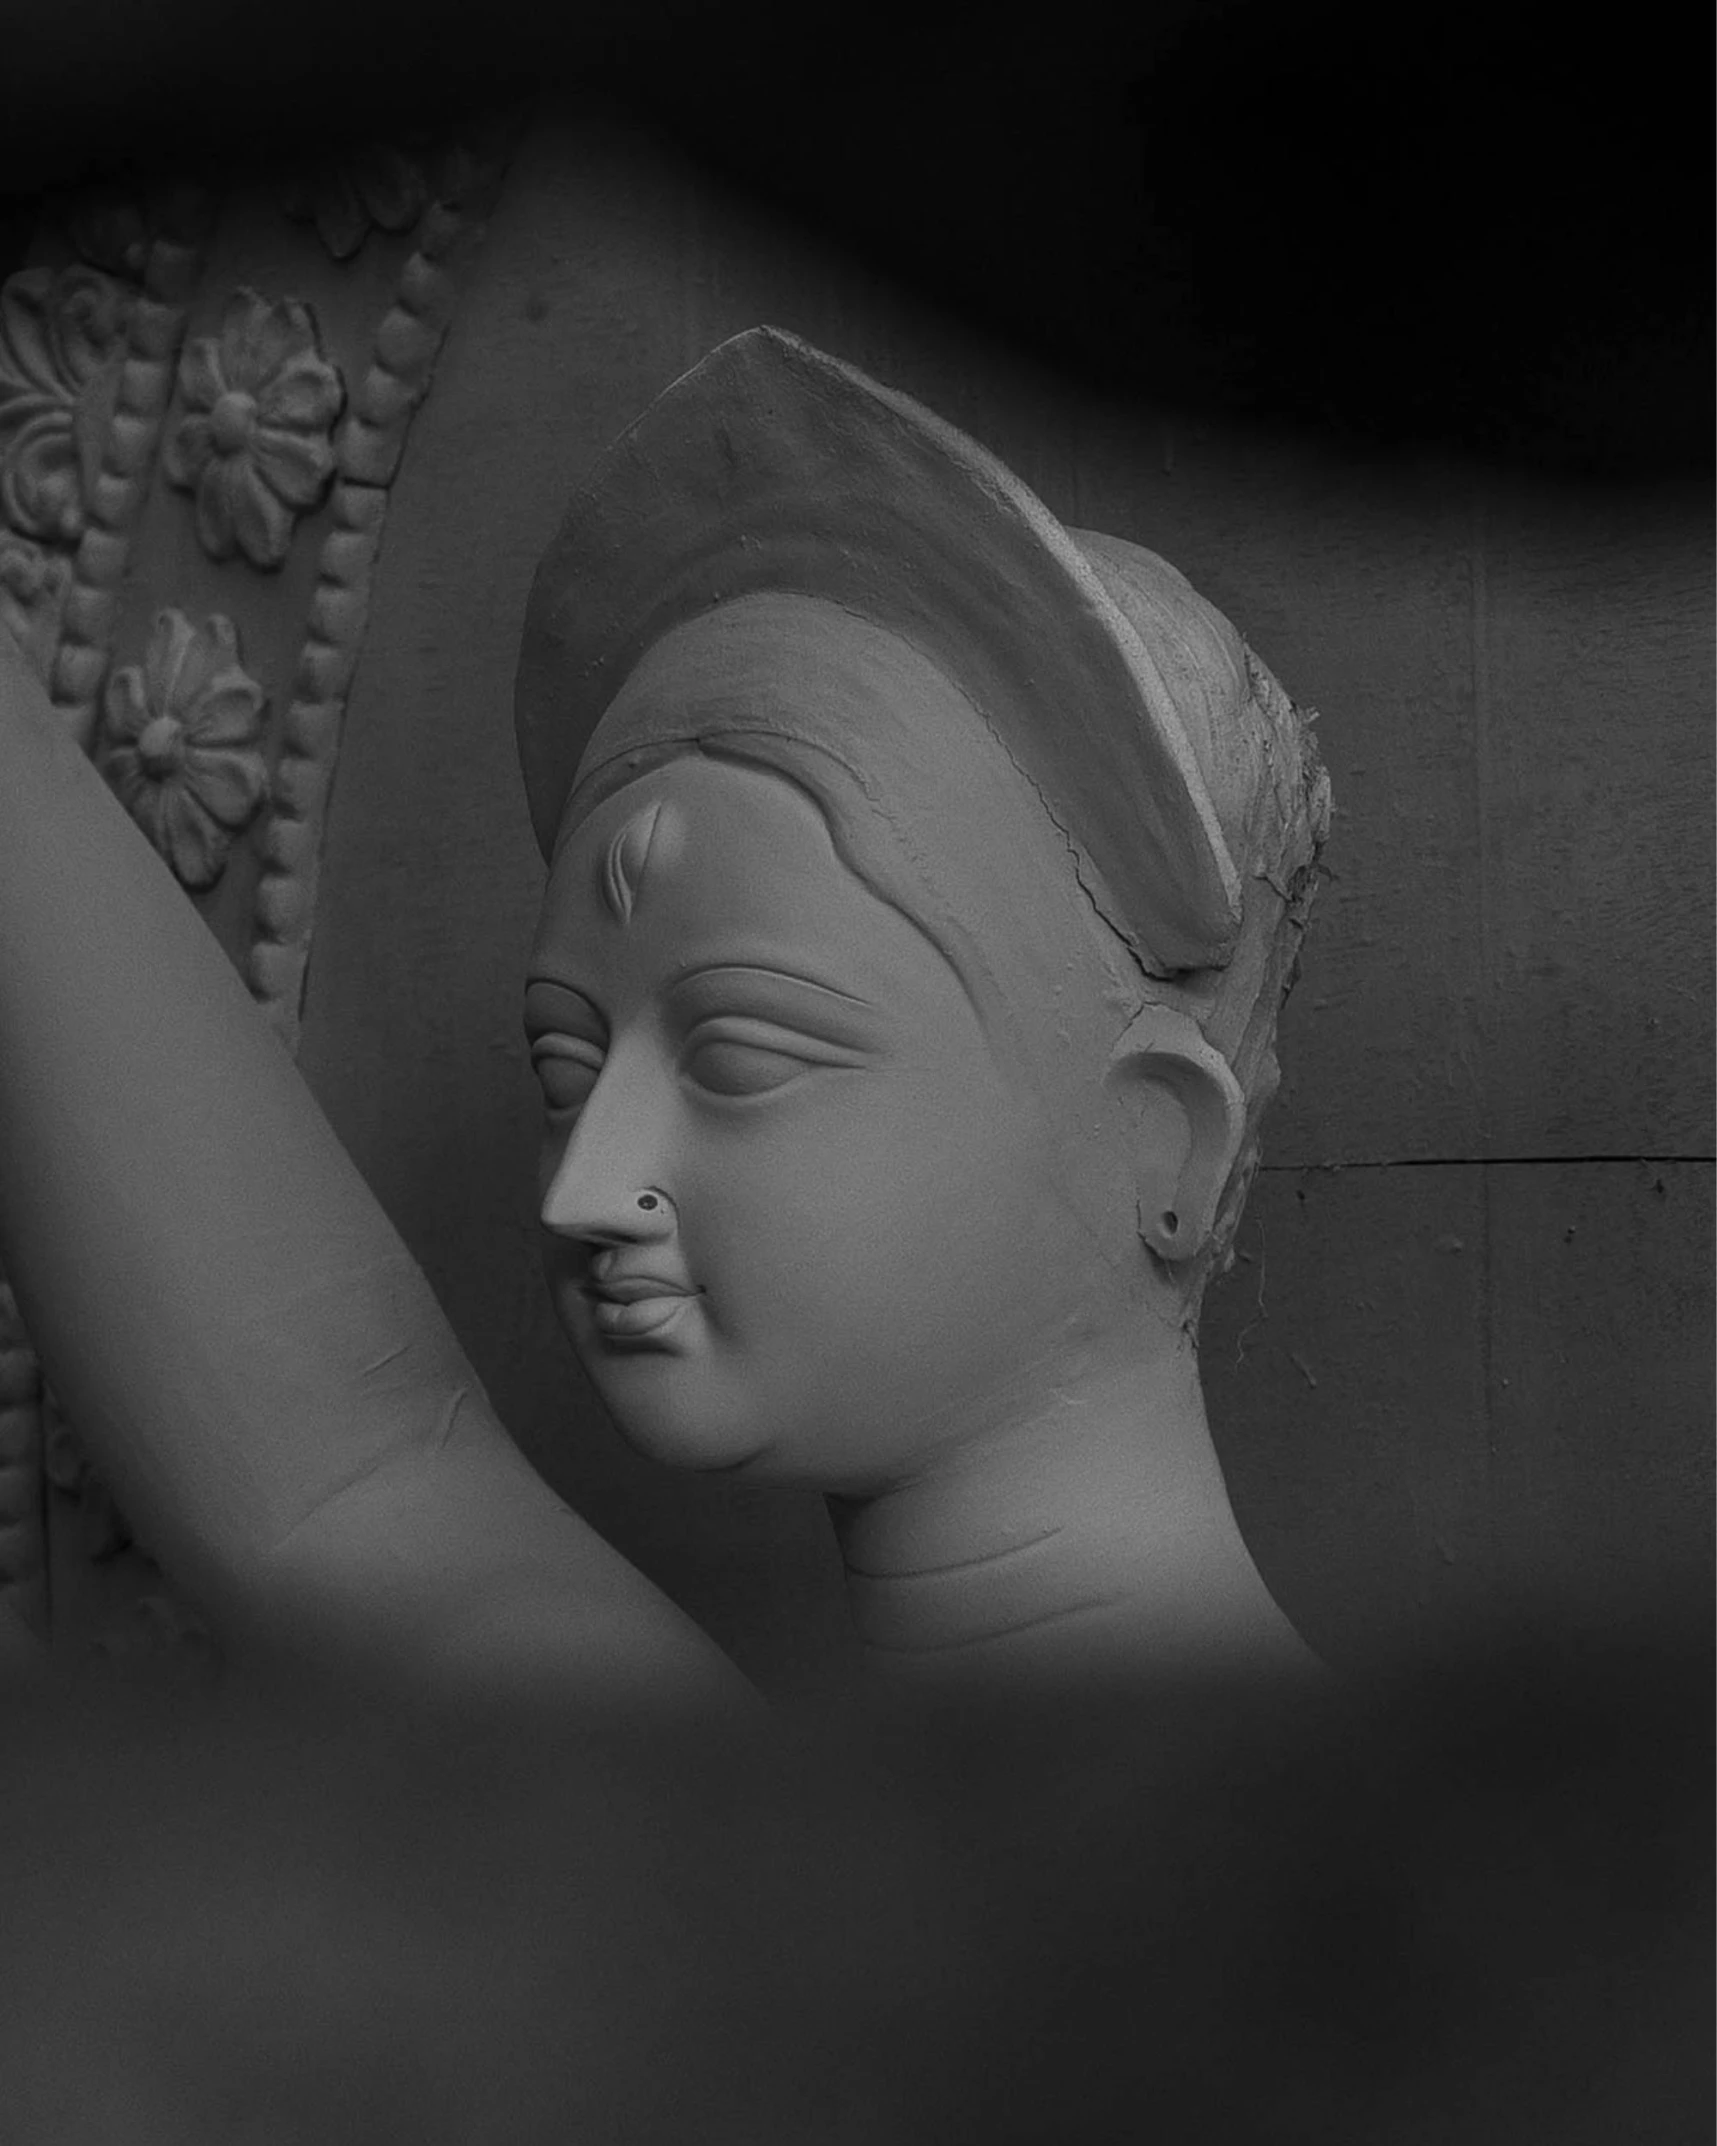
(254, 444)
(33, 584)
(174, 406)
(383, 186)
(62, 341)
(180, 744)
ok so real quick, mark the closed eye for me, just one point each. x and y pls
(734, 1056)
(567, 1069)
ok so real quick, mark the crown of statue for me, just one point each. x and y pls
(771, 466)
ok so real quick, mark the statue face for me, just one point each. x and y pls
(799, 1220)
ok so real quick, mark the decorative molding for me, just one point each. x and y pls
(62, 341)
(180, 733)
(23, 1548)
(101, 1527)
(156, 325)
(381, 186)
(110, 224)
(33, 585)
(368, 448)
(180, 744)
(387, 185)
(93, 409)
(254, 444)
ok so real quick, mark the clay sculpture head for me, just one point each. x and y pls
(925, 879)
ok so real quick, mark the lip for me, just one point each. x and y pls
(633, 1306)
(634, 1288)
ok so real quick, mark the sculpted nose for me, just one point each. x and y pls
(604, 1187)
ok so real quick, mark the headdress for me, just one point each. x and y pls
(773, 467)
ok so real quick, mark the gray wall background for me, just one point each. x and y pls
(1464, 1355)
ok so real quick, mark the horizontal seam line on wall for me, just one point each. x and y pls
(1472, 1162)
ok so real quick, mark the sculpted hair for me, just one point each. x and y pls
(1258, 754)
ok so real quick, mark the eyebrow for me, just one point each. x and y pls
(759, 972)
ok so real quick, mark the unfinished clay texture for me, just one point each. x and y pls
(925, 879)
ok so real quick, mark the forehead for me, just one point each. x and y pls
(694, 822)
(700, 859)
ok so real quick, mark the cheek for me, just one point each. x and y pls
(908, 1213)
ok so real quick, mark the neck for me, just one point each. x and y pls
(1094, 1535)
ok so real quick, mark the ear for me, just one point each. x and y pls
(1186, 1118)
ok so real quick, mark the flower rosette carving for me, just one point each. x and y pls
(387, 185)
(182, 731)
(382, 186)
(255, 443)
(62, 341)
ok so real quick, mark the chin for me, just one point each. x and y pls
(737, 1445)
(659, 1419)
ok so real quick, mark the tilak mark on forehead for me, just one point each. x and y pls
(646, 836)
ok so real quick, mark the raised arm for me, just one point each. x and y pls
(254, 1360)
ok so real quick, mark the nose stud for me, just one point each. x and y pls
(653, 1202)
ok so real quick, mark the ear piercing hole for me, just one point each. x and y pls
(1171, 1221)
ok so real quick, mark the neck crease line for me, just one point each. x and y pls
(960, 1564)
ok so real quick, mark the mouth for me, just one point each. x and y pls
(631, 1307)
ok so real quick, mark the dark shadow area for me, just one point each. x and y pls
(1470, 1903)
(1468, 227)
